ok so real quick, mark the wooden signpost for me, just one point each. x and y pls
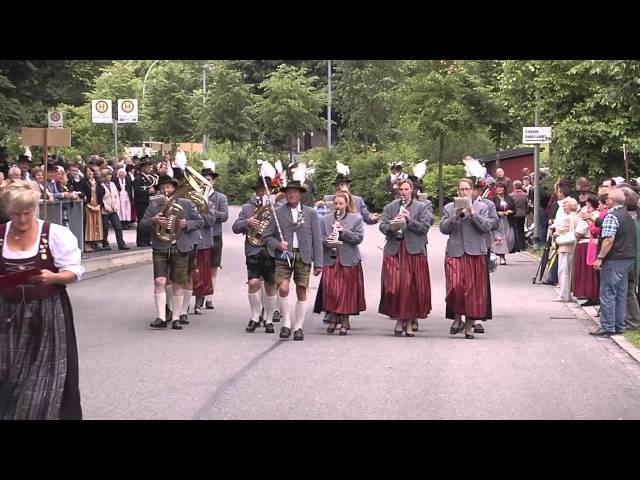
(46, 137)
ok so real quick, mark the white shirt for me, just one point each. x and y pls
(294, 214)
(560, 215)
(62, 243)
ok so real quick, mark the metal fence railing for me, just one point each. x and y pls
(69, 213)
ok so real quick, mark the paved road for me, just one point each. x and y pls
(536, 360)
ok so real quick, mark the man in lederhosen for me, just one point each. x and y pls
(171, 260)
(260, 261)
(142, 189)
(296, 254)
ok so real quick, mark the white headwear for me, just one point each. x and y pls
(180, 160)
(342, 169)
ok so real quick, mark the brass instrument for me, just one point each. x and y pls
(154, 181)
(255, 235)
(197, 190)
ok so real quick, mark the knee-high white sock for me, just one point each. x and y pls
(186, 298)
(161, 300)
(283, 306)
(301, 310)
(256, 305)
(169, 296)
(177, 300)
(269, 307)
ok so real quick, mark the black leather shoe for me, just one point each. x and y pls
(106, 247)
(209, 305)
(590, 303)
(276, 316)
(251, 327)
(157, 323)
(414, 325)
(176, 325)
(477, 328)
(602, 333)
(269, 328)
(285, 332)
(298, 335)
(620, 332)
(124, 247)
(183, 320)
(456, 330)
(469, 336)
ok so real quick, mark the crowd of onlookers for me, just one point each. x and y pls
(103, 186)
(592, 248)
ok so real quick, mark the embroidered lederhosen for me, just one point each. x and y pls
(43, 260)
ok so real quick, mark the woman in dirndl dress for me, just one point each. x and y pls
(506, 241)
(405, 282)
(38, 351)
(586, 283)
(341, 290)
(125, 199)
(465, 263)
(93, 231)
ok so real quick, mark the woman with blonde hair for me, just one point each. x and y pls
(38, 351)
(341, 290)
(566, 251)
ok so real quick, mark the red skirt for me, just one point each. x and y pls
(406, 286)
(202, 284)
(342, 289)
(133, 213)
(467, 292)
(585, 279)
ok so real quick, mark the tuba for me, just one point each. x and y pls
(255, 235)
(197, 190)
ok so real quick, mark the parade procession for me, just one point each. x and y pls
(380, 263)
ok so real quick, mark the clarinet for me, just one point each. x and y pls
(400, 233)
(334, 250)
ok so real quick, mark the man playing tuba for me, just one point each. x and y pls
(253, 220)
(179, 221)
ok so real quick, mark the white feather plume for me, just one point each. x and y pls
(278, 166)
(619, 180)
(299, 173)
(209, 164)
(27, 152)
(181, 159)
(342, 169)
(267, 170)
(419, 169)
(473, 168)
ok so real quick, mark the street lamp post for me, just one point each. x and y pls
(329, 107)
(144, 88)
(205, 137)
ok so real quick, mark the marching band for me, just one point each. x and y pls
(286, 240)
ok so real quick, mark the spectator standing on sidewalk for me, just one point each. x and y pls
(615, 260)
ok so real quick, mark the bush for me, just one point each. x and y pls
(450, 176)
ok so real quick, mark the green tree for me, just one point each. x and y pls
(433, 100)
(363, 95)
(229, 111)
(290, 104)
(169, 97)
